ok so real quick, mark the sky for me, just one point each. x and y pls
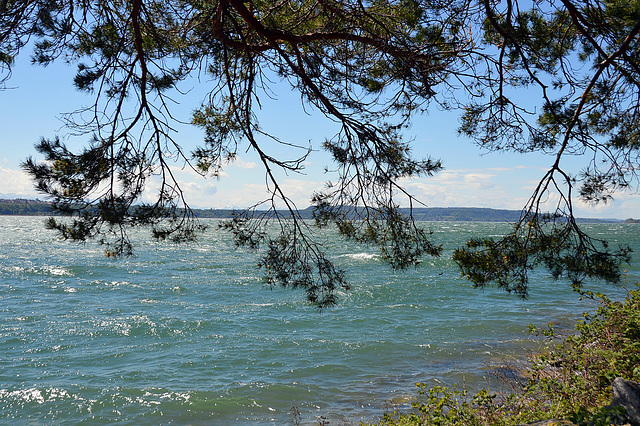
(32, 106)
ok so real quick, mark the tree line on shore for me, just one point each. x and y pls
(28, 207)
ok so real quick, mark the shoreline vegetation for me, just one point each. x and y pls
(569, 381)
(29, 207)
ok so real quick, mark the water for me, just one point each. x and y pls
(190, 334)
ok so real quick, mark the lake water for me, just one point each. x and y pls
(189, 334)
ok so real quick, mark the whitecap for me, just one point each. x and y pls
(13, 269)
(34, 395)
(361, 256)
(174, 396)
(57, 271)
(116, 283)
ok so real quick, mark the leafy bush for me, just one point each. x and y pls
(570, 380)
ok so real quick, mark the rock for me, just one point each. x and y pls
(626, 394)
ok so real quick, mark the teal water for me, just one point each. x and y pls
(189, 334)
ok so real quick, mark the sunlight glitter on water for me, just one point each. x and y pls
(174, 335)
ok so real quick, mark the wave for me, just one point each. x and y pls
(361, 256)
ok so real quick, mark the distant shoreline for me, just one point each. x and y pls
(27, 207)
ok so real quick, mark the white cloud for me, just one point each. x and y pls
(503, 188)
(468, 188)
(243, 164)
(482, 181)
(297, 190)
(624, 205)
(16, 183)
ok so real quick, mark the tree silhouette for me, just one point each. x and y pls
(370, 67)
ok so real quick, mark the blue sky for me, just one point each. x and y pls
(36, 97)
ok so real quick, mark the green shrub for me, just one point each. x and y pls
(570, 380)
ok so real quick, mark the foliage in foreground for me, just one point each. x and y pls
(571, 380)
(558, 78)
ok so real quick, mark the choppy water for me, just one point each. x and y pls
(190, 334)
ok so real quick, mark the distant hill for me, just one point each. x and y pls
(468, 214)
(465, 214)
(456, 214)
(24, 207)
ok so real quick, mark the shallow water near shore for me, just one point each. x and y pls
(190, 334)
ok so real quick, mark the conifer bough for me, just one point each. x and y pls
(370, 67)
